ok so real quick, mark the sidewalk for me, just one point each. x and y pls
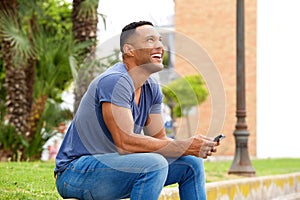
(295, 196)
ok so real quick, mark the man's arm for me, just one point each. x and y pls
(155, 127)
(120, 123)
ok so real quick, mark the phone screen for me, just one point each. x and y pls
(219, 138)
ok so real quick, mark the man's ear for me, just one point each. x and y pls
(128, 48)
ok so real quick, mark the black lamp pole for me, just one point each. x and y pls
(241, 164)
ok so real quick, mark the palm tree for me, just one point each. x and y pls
(16, 50)
(51, 71)
(85, 20)
(25, 48)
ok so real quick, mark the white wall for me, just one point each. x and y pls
(278, 78)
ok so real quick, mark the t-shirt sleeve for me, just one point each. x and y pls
(115, 89)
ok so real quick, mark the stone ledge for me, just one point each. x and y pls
(267, 187)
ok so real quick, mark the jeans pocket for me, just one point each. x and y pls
(70, 191)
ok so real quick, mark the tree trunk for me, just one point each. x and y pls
(16, 102)
(35, 115)
(188, 125)
(84, 29)
(31, 65)
(15, 77)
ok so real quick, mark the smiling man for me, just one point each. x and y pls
(104, 154)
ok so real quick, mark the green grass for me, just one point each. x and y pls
(27, 180)
(34, 180)
(218, 170)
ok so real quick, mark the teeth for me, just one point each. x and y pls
(156, 55)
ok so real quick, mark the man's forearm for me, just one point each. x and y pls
(146, 144)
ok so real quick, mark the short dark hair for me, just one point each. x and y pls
(129, 29)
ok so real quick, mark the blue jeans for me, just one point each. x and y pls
(138, 176)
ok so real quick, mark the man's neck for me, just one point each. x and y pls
(138, 74)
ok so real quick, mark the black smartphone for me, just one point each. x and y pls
(219, 137)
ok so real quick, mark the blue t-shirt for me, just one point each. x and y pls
(88, 134)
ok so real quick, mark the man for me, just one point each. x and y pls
(105, 156)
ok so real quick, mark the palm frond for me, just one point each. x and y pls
(26, 8)
(88, 9)
(103, 17)
(73, 65)
(11, 31)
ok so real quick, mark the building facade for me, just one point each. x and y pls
(211, 24)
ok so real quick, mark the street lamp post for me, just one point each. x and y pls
(241, 164)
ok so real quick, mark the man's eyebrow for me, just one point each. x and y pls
(154, 36)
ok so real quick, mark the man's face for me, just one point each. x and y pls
(148, 48)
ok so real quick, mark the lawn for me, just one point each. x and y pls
(218, 170)
(34, 180)
(27, 180)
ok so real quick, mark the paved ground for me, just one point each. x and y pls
(295, 196)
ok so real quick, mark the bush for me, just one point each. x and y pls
(11, 142)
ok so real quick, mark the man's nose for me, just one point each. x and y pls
(159, 45)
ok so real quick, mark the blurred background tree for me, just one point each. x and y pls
(36, 42)
(182, 94)
(85, 20)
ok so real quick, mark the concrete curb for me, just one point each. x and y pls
(268, 187)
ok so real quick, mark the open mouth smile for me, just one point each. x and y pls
(157, 56)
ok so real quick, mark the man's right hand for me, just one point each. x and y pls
(201, 146)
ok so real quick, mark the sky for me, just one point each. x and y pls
(122, 12)
(278, 69)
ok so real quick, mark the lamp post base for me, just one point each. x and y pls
(241, 164)
(242, 170)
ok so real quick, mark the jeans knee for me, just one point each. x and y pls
(156, 162)
(196, 165)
